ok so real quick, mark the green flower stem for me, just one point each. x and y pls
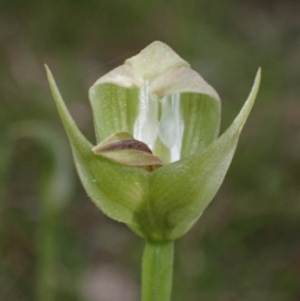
(157, 271)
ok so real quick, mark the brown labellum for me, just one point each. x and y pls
(127, 144)
(123, 148)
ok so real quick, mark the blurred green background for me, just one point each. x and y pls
(54, 244)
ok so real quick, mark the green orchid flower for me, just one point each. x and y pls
(157, 161)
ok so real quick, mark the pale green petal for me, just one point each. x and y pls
(155, 59)
(200, 107)
(115, 109)
(182, 80)
(182, 190)
(114, 99)
(123, 76)
(201, 116)
(118, 190)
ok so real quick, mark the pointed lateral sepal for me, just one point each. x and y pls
(116, 189)
(182, 190)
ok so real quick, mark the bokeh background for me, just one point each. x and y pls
(54, 244)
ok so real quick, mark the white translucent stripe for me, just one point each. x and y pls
(146, 125)
(171, 125)
(168, 127)
(179, 125)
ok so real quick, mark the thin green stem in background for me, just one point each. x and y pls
(54, 190)
(47, 257)
(157, 271)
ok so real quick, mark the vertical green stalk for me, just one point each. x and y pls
(54, 190)
(5, 160)
(157, 271)
(47, 256)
